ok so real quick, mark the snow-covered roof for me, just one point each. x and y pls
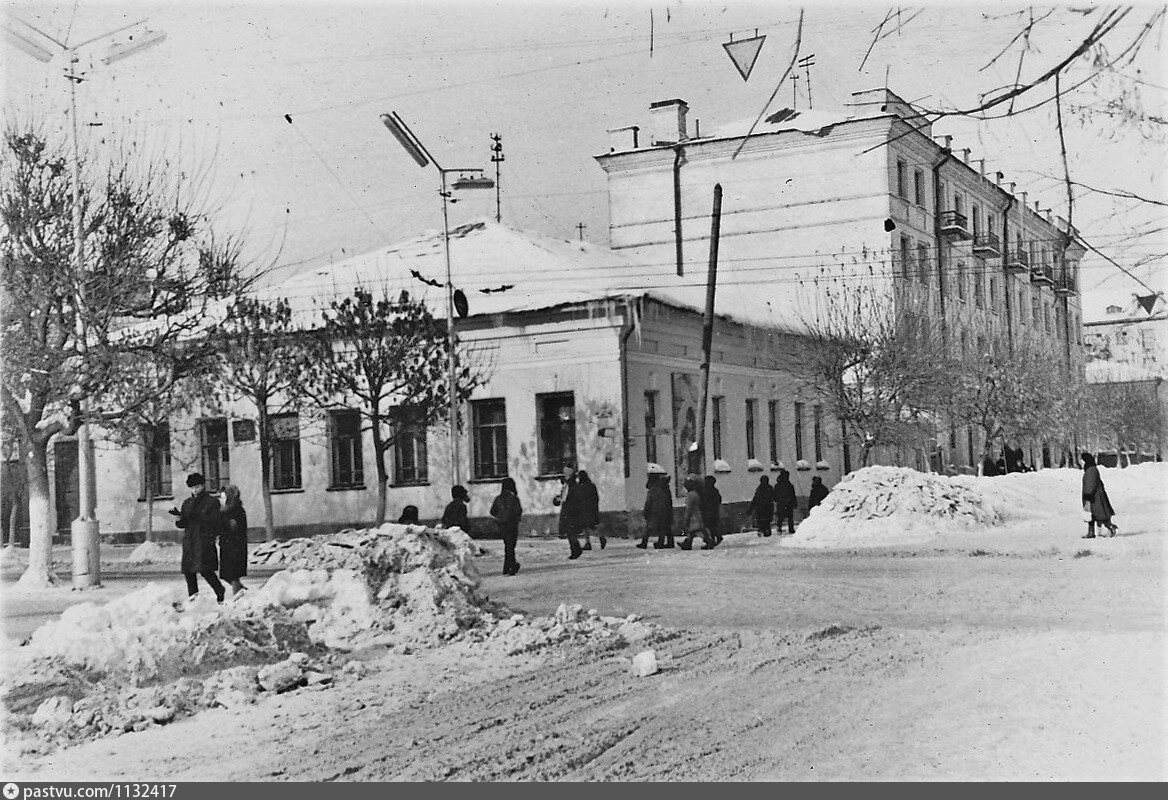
(1117, 372)
(809, 121)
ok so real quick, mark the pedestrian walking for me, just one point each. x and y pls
(454, 515)
(712, 508)
(817, 494)
(233, 541)
(570, 503)
(1096, 504)
(785, 502)
(762, 506)
(691, 517)
(507, 510)
(199, 520)
(590, 510)
(658, 512)
(409, 516)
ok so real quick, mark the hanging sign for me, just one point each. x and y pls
(744, 53)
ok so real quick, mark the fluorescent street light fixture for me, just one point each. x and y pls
(473, 182)
(28, 46)
(405, 137)
(136, 44)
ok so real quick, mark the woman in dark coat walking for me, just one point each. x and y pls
(199, 519)
(233, 541)
(507, 510)
(658, 513)
(785, 501)
(589, 510)
(762, 506)
(1095, 498)
(712, 508)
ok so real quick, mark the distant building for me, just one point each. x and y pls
(1132, 333)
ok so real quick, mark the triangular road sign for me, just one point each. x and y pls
(1147, 301)
(744, 53)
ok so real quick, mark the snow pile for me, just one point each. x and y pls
(894, 505)
(153, 553)
(404, 585)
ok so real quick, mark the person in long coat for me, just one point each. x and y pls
(1095, 498)
(199, 520)
(570, 501)
(658, 513)
(784, 502)
(589, 510)
(691, 516)
(817, 494)
(712, 508)
(507, 510)
(233, 541)
(762, 506)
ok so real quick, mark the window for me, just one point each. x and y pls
(348, 470)
(557, 428)
(411, 463)
(156, 475)
(817, 417)
(285, 446)
(651, 427)
(489, 420)
(961, 279)
(798, 431)
(1021, 306)
(1046, 317)
(1035, 310)
(905, 257)
(991, 224)
(243, 430)
(958, 203)
(976, 219)
(994, 293)
(773, 429)
(919, 187)
(716, 424)
(923, 262)
(901, 179)
(978, 289)
(750, 405)
(216, 461)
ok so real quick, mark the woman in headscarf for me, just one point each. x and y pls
(233, 541)
(762, 506)
(1095, 500)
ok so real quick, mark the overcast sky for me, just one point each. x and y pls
(551, 78)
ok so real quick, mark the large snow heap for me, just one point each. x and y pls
(894, 505)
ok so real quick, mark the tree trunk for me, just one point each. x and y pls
(865, 454)
(148, 432)
(40, 534)
(379, 448)
(266, 471)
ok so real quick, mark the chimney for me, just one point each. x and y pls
(965, 151)
(998, 179)
(667, 122)
(981, 166)
(948, 141)
(1012, 185)
(625, 138)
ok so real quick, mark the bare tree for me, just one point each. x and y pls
(1126, 414)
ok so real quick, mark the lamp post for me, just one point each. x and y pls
(469, 178)
(84, 532)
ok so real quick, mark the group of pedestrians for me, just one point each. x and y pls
(214, 539)
(778, 502)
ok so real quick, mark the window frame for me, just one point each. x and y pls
(902, 178)
(498, 438)
(219, 477)
(281, 448)
(919, 187)
(773, 430)
(799, 431)
(163, 481)
(651, 426)
(817, 428)
(407, 429)
(716, 425)
(751, 407)
(547, 464)
(338, 443)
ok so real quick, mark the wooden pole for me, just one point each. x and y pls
(698, 462)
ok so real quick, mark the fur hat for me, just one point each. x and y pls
(195, 479)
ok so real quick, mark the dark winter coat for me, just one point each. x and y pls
(1095, 494)
(658, 512)
(691, 517)
(762, 504)
(199, 519)
(507, 510)
(817, 495)
(455, 515)
(589, 505)
(711, 507)
(572, 509)
(233, 543)
(784, 494)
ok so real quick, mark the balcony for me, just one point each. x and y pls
(954, 224)
(987, 245)
(1042, 273)
(1018, 261)
(1064, 285)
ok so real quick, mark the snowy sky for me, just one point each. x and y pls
(552, 77)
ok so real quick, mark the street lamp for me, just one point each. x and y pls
(85, 529)
(468, 179)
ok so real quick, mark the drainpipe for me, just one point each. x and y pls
(677, 156)
(948, 154)
(626, 331)
(1006, 272)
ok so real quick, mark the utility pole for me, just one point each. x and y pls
(85, 530)
(580, 226)
(806, 63)
(794, 89)
(497, 158)
(708, 331)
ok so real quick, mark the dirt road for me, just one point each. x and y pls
(1008, 660)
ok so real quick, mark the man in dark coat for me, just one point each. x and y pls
(572, 512)
(785, 501)
(658, 512)
(200, 521)
(762, 506)
(1095, 498)
(590, 510)
(712, 508)
(817, 494)
(454, 516)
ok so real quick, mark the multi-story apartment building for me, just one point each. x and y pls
(811, 200)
